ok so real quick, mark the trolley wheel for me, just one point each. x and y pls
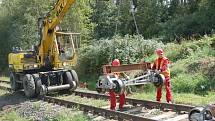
(195, 114)
(159, 80)
(120, 86)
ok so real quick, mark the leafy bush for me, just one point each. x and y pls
(129, 49)
(196, 83)
(202, 87)
(183, 83)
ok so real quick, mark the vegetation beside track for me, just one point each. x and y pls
(62, 116)
(13, 107)
(178, 98)
(5, 78)
(192, 63)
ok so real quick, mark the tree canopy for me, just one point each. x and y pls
(169, 20)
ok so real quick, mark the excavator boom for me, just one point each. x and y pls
(58, 12)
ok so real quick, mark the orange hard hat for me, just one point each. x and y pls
(116, 62)
(159, 51)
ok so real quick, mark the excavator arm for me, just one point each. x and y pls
(47, 49)
(58, 12)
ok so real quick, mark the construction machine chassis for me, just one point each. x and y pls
(41, 83)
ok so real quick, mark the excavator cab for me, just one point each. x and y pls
(68, 45)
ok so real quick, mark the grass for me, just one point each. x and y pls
(179, 98)
(87, 101)
(70, 116)
(5, 78)
(12, 116)
(3, 92)
(65, 115)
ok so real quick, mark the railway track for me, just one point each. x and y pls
(2, 81)
(5, 85)
(175, 112)
(134, 102)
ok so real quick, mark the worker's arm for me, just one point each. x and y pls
(165, 65)
(153, 67)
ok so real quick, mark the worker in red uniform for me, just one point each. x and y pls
(116, 62)
(161, 65)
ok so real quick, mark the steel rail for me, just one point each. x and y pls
(2, 81)
(144, 103)
(5, 87)
(109, 113)
(95, 110)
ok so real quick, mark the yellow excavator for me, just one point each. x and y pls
(48, 66)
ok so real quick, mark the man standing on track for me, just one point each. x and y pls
(161, 64)
(116, 62)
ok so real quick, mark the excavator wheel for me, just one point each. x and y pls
(75, 78)
(29, 86)
(13, 82)
(69, 80)
(38, 83)
(120, 87)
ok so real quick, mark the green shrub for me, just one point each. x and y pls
(129, 49)
(202, 87)
(184, 83)
(191, 83)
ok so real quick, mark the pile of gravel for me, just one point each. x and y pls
(38, 111)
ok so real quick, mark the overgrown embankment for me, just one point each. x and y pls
(192, 62)
(193, 65)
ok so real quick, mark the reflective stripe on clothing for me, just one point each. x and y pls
(162, 64)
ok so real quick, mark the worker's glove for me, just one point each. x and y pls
(157, 71)
(127, 77)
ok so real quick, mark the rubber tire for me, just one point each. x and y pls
(15, 86)
(29, 86)
(75, 78)
(38, 84)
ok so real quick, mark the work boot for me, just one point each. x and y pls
(121, 109)
(113, 109)
(170, 102)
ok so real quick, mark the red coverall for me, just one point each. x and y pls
(116, 62)
(161, 64)
(113, 100)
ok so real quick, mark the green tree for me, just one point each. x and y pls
(104, 17)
